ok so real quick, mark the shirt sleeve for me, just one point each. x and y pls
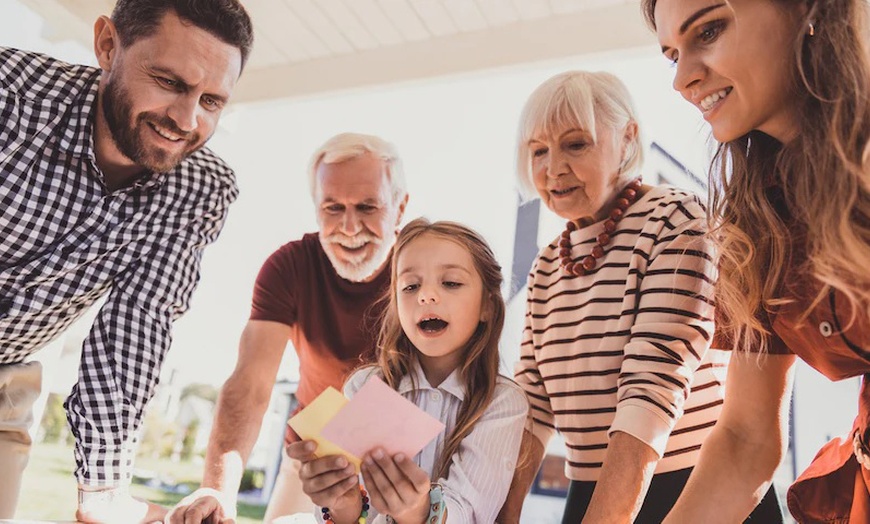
(481, 470)
(775, 344)
(541, 421)
(124, 350)
(273, 298)
(672, 332)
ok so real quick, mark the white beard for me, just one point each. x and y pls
(360, 267)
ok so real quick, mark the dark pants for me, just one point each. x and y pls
(663, 492)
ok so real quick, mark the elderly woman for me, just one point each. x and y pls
(615, 351)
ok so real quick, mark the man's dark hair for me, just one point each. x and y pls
(225, 19)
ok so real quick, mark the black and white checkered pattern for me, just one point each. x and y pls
(65, 241)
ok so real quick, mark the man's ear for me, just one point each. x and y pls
(401, 212)
(106, 42)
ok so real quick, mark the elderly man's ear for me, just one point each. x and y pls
(401, 212)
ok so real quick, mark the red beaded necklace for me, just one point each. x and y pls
(626, 198)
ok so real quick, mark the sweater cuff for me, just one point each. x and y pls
(643, 423)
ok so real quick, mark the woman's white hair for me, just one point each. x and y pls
(347, 146)
(577, 100)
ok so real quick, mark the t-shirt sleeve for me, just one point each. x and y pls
(274, 297)
(725, 340)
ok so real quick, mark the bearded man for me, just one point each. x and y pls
(322, 294)
(106, 189)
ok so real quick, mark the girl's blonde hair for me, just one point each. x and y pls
(783, 213)
(578, 100)
(479, 368)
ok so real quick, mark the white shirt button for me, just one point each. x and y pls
(826, 329)
(435, 396)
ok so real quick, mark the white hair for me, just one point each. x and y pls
(577, 100)
(347, 146)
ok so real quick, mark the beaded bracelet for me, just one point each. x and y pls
(363, 516)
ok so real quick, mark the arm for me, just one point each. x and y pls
(671, 333)
(531, 457)
(625, 477)
(740, 456)
(242, 403)
(243, 400)
(122, 356)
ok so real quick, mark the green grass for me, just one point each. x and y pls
(48, 490)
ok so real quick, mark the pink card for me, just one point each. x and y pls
(377, 416)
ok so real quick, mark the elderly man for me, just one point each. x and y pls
(105, 187)
(321, 293)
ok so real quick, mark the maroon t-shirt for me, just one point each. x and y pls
(335, 322)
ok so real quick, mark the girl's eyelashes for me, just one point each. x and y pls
(449, 284)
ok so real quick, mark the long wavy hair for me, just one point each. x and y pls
(792, 221)
(479, 369)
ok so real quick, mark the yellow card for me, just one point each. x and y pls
(309, 423)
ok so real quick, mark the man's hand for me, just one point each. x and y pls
(116, 506)
(205, 505)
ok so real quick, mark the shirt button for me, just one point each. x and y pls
(435, 396)
(826, 329)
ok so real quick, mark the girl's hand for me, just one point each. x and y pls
(397, 487)
(330, 481)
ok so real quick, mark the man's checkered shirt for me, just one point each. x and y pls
(65, 240)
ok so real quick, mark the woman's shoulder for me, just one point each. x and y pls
(668, 199)
(664, 208)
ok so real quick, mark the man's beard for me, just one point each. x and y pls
(361, 267)
(126, 131)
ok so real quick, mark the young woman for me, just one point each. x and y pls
(438, 347)
(785, 87)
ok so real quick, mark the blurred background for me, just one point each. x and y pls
(445, 81)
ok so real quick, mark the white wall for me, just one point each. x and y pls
(456, 136)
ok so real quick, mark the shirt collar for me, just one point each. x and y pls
(452, 384)
(78, 137)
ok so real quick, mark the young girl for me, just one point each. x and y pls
(784, 86)
(438, 347)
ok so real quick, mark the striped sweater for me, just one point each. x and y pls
(622, 348)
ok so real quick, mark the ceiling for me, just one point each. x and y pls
(307, 47)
